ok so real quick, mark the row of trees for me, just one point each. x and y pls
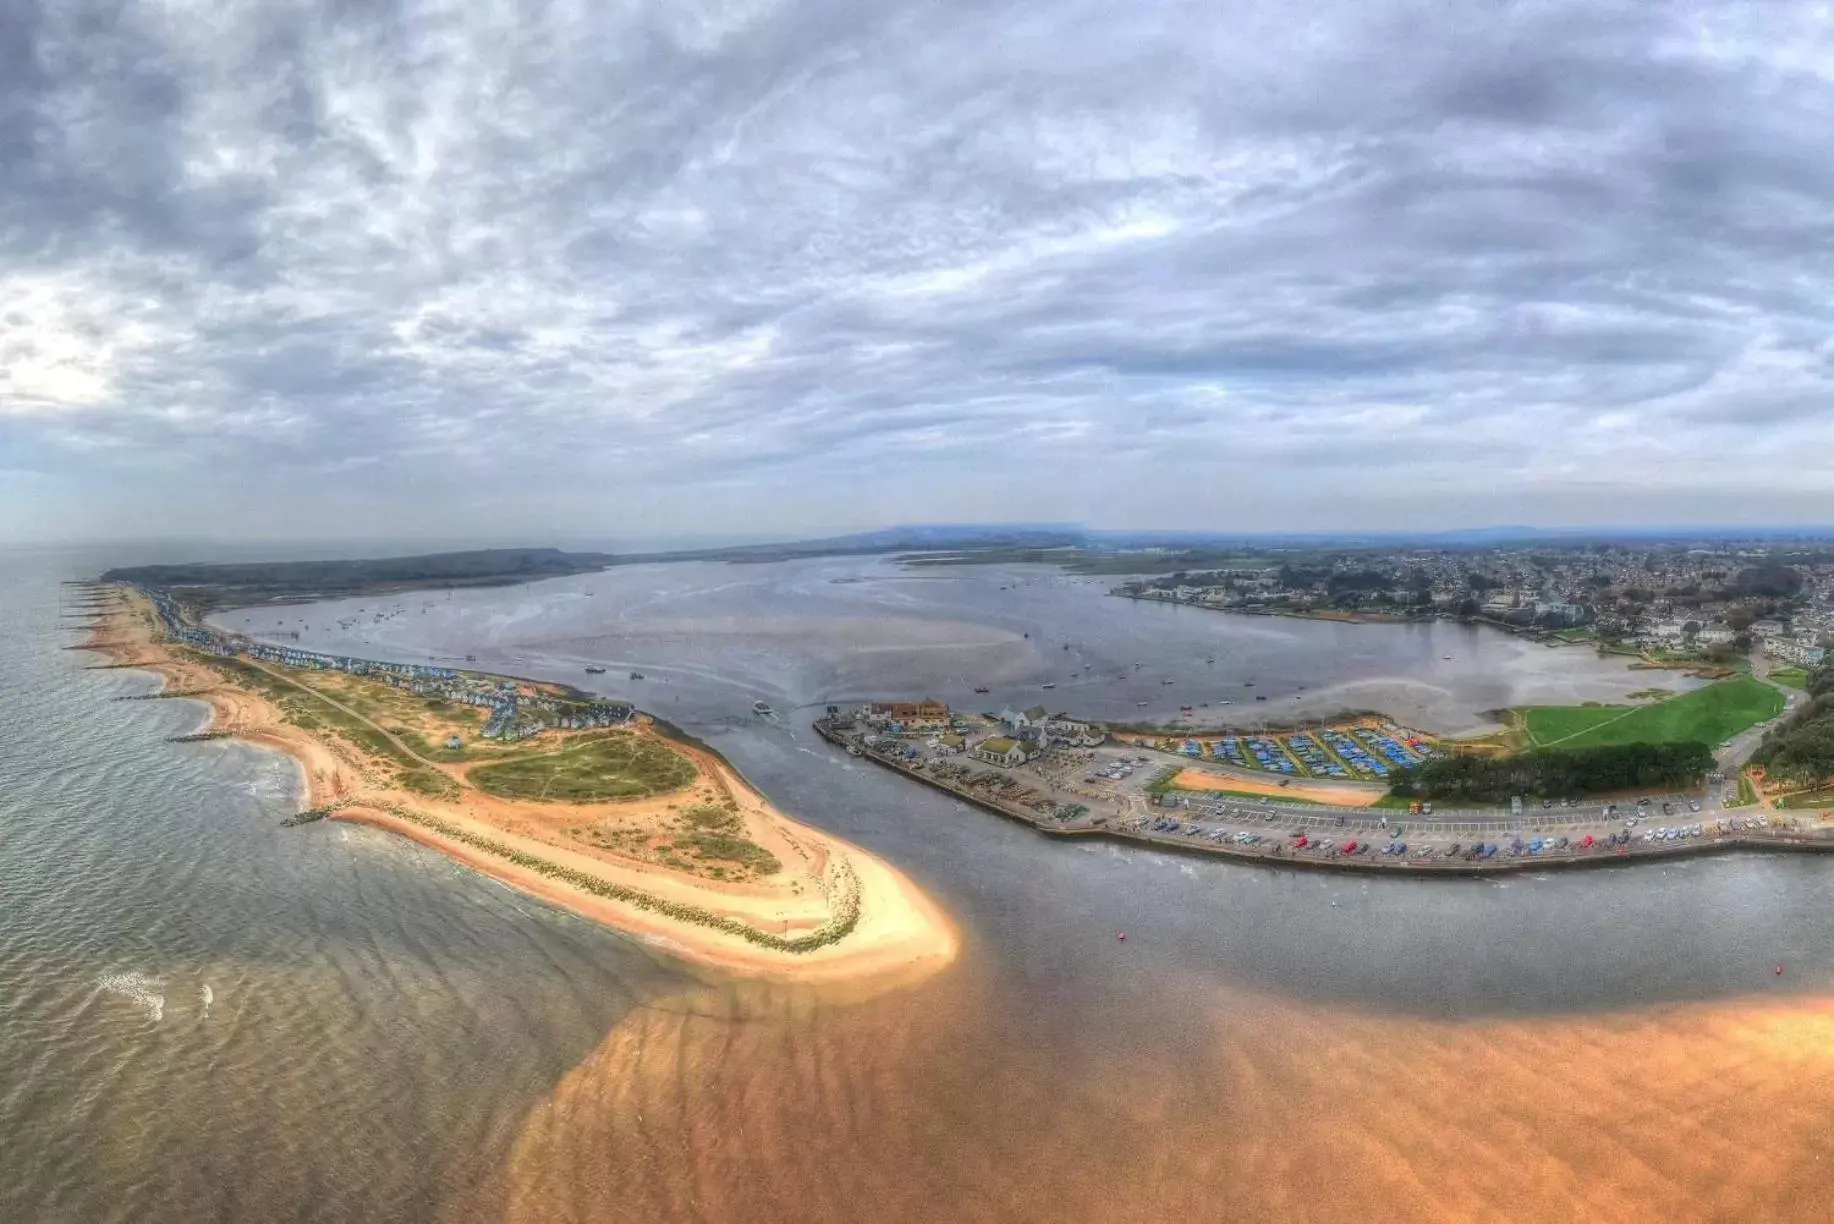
(1555, 772)
(1802, 749)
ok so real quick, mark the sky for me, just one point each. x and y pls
(501, 271)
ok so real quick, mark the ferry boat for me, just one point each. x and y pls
(594, 670)
(762, 709)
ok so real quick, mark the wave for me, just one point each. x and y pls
(147, 992)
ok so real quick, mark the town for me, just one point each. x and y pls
(1710, 601)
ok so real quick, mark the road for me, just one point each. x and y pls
(1735, 752)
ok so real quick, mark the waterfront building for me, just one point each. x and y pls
(1018, 720)
(1000, 750)
(908, 715)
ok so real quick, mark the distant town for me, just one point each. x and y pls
(1707, 601)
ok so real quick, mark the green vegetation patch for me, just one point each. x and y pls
(1264, 797)
(710, 849)
(621, 765)
(428, 782)
(1558, 772)
(1706, 715)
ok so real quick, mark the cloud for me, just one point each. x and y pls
(489, 266)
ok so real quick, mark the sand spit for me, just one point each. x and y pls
(868, 921)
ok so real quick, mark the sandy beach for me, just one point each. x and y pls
(899, 934)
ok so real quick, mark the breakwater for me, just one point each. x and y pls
(1280, 854)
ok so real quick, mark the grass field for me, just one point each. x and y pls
(1791, 677)
(1706, 715)
(621, 765)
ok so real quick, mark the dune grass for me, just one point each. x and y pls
(620, 765)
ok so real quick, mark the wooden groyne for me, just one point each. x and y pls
(1281, 854)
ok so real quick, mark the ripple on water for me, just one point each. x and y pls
(145, 991)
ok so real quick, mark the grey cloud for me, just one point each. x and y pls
(911, 261)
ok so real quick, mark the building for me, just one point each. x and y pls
(1800, 653)
(908, 715)
(1019, 720)
(1074, 732)
(1000, 750)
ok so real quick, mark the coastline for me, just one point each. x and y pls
(849, 916)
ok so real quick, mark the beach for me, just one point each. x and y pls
(857, 918)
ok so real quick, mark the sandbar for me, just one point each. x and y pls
(865, 920)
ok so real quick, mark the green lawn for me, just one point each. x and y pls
(616, 766)
(1791, 677)
(1706, 715)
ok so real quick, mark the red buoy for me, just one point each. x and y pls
(1122, 936)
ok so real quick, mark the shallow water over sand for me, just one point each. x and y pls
(711, 638)
(393, 1038)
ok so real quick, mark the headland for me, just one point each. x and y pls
(585, 803)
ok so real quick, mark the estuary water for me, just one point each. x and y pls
(389, 1037)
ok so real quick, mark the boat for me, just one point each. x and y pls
(594, 670)
(762, 709)
(636, 675)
